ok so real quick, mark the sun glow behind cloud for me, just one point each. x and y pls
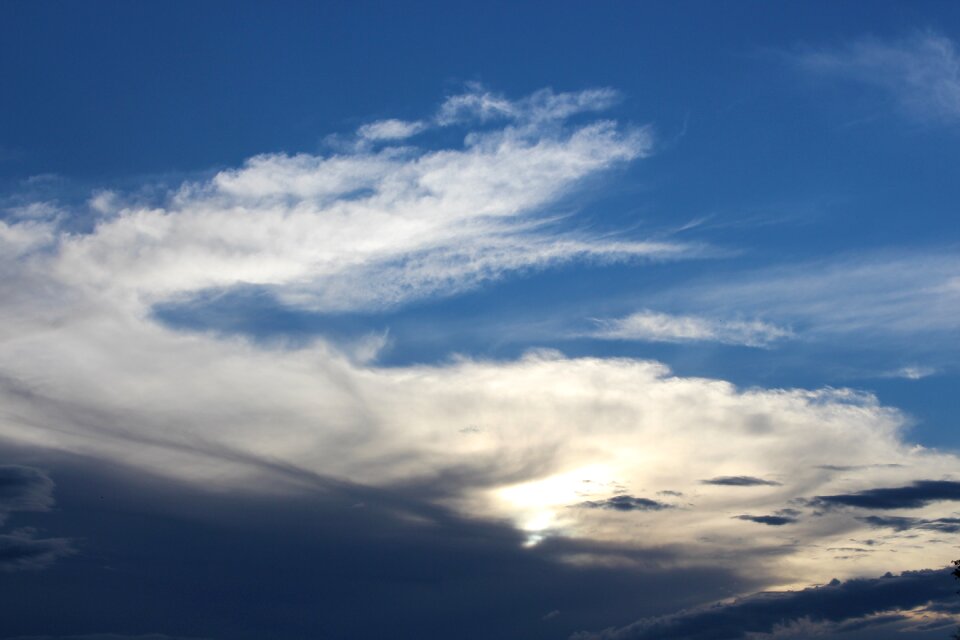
(610, 449)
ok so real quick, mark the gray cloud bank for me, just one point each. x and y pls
(865, 602)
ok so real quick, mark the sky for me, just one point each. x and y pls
(585, 321)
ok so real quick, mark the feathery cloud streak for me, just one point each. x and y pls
(921, 72)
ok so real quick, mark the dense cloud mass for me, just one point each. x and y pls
(863, 601)
(87, 368)
(540, 461)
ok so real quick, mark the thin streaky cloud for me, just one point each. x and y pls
(921, 72)
(653, 326)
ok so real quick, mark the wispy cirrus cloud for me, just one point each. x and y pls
(857, 297)
(653, 326)
(920, 72)
(372, 228)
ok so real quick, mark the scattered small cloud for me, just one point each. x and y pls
(919, 494)
(661, 327)
(913, 372)
(626, 503)
(773, 521)
(391, 129)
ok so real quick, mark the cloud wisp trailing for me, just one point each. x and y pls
(922, 72)
(662, 327)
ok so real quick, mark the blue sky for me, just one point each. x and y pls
(624, 294)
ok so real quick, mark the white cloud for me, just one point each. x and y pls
(662, 327)
(317, 227)
(912, 372)
(921, 72)
(542, 106)
(84, 368)
(391, 129)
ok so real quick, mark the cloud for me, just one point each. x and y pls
(368, 229)
(773, 521)
(904, 523)
(916, 495)
(855, 601)
(922, 72)
(24, 489)
(391, 129)
(662, 327)
(20, 550)
(84, 367)
(542, 106)
(857, 298)
(912, 372)
(741, 481)
(625, 503)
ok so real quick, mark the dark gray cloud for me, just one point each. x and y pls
(861, 602)
(904, 523)
(24, 489)
(626, 503)
(22, 550)
(741, 481)
(158, 556)
(916, 495)
(774, 521)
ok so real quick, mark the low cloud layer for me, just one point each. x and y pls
(862, 602)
